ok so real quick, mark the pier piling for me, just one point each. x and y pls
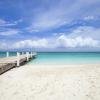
(18, 59)
(9, 62)
(27, 55)
(7, 54)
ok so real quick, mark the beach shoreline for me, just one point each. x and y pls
(51, 82)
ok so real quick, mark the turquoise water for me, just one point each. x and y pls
(3, 54)
(66, 58)
(62, 57)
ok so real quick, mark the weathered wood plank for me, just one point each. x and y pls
(11, 62)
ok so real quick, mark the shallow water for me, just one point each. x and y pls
(62, 57)
(66, 58)
(3, 54)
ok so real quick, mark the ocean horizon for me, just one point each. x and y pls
(62, 57)
(66, 58)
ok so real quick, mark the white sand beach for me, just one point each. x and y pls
(51, 82)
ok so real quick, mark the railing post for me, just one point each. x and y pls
(27, 55)
(22, 53)
(18, 59)
(7, 54)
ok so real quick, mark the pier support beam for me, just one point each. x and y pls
(7, 54)
(18, 59)
(27, 55)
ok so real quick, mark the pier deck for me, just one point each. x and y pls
(7, 63)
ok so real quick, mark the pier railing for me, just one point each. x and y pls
(9, 62)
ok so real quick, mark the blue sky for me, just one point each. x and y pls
(50, 25)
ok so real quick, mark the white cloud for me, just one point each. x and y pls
(4, 31)
(89, 18)
(3, 45)
(39, 43)
(81, 37)
(31, 29)
(54, 43)
(9, 32)
(64, 12)
(78, 42)
(2, 22)
(86, 31)
(9, 23)
(57, 42)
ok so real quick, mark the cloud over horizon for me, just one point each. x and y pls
(76, 39)
(50, 24)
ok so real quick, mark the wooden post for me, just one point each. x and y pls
(18, 59)
(27, 55)
(7, 54)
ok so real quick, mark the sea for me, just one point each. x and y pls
(62, 57)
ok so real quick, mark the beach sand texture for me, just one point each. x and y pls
(51, 82)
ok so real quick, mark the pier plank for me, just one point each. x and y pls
(7, 63)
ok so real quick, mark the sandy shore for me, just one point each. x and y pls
(59, 82)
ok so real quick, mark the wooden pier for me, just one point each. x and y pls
(9, 62)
